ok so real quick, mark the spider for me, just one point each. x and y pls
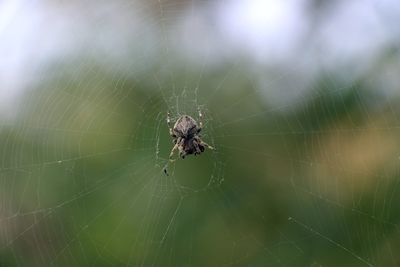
(186, 136)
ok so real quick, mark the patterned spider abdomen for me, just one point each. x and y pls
(185, 127)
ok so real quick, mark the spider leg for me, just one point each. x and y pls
(196, 146)
(172, 152)
(171, 132)
(170, 158)
(206, 145)
(200, 121)
(165, 170)
(179, 142)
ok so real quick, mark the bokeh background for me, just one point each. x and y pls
(301, 101)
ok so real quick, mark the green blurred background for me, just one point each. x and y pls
(300, 99)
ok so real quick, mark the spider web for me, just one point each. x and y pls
(301, 176)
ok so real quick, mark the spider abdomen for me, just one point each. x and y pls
(185, 126)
